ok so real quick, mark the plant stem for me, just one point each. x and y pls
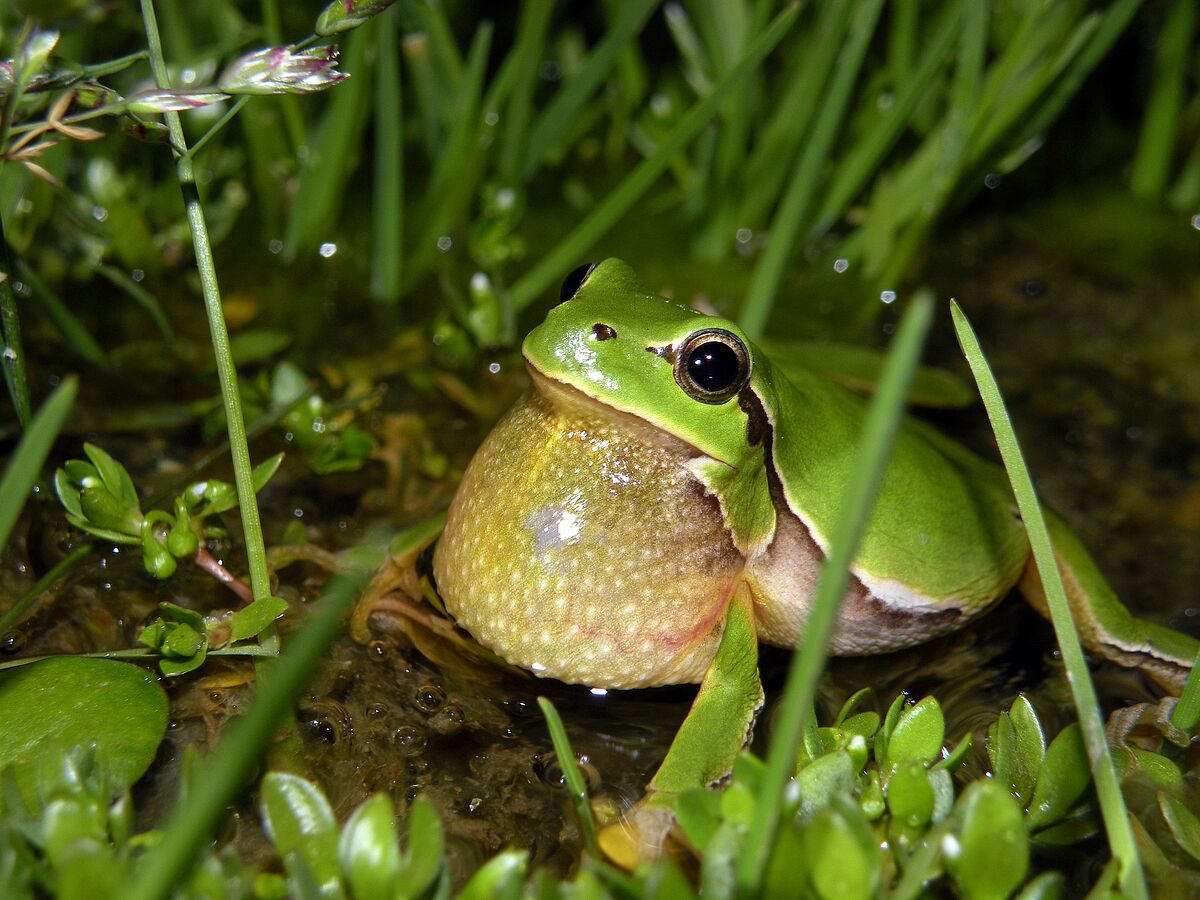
(13, 616)
(240, 451)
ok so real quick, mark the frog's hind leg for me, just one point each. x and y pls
(1104, 624)
(716, 729)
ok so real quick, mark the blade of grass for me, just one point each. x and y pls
(863, 162)
(574, 778)
(1160, 127)
(527, 54)
(883, 417)
(452, 183)
(555, 120)
(802, 186)
(333, 154)
(618, 201)
(1108, 788)
(256, 554)
(12, 358)
(387, 235)
(237, 754)
(25, 466)
(800, 98)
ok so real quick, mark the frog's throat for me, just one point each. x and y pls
(581, 546)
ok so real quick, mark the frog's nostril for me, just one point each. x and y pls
(602, 332)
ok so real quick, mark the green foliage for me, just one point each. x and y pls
(115, 709)
(100, 499)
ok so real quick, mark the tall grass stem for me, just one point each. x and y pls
(1091, 722)
(883, 418)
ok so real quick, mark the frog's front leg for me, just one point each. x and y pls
(1105, 625)
(716, 729)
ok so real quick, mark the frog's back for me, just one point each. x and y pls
(942, 544)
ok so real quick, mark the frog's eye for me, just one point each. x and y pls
(573, 282)
(713, 365)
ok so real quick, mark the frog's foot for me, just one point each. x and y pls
(1145, 726)
(642, 834)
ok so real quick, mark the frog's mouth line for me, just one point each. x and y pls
(570, 398)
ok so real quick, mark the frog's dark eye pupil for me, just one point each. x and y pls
(574, 281)
(712, 366)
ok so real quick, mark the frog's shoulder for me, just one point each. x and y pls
(942, 528)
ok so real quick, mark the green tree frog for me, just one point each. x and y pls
(664, 491)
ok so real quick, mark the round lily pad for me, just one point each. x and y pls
(48, 707)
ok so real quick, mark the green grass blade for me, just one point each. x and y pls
(452, 183)
(25, 466)
(1108, 788)
(333, 155)
(12, 360)
(564, 108)
(387, 235)
(1160, 127)
(864, 160)
(574, 778)
(237, 754)
(883, 418)
(802, 186)
(527, 54)
(618, 201)
(798, 102)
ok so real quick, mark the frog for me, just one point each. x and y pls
(661, 500)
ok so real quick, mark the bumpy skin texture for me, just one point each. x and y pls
(579, 546)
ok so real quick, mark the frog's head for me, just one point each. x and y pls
(677, 369)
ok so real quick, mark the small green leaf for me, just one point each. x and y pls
(68, 494)
(864, 724)
(113, 475)
(173, 612)
(850, 705)
(918, 734)
(258, 344)
(173, 667)
(910, 796)
(1030, 746)
(823, 778)
(424, 847)
(737, 805)
(871, 800)
(265, 471)
(103, 510)
(1166, 775)
(250, 620)
(181, 641)
(156, 559)
(1184, 825)
(1047, 886)
(1063, 778)
(884, 734)
(368, 849)
(842, 854)
(48, 707)
(499, 879)
(300, 823)
(943, 792)
(993, 849)
(787, 866)
(288, 384)
(954, 759)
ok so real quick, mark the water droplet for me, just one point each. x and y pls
(327, 249)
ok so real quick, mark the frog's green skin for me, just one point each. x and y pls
(606, 522)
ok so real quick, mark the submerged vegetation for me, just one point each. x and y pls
(362, 258)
